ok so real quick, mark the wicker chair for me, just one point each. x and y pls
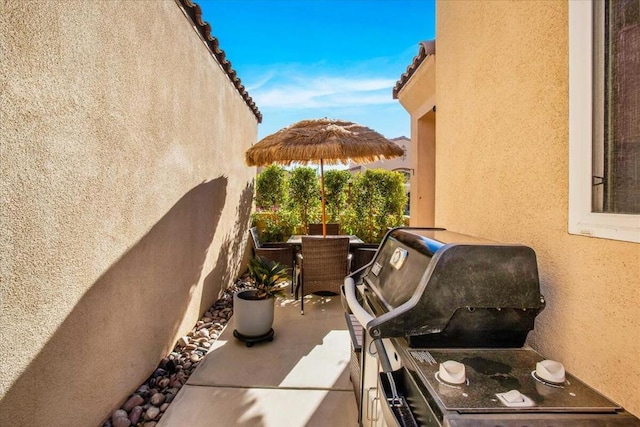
(279, 252)
(322, 266)
(316, 229)
(363, 254)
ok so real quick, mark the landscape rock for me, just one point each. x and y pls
(150, 401)
(157, 399)
(121, 422)
(159, 372)
(118, 413)
(143, 390)
(151, 413)
(134, 400)
(163, 383)
(135, 415)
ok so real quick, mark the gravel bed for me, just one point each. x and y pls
(148, 403)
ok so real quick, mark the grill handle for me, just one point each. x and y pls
(350, 293)
(383, 358)
(364, 318)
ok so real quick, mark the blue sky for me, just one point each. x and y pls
(322, 58)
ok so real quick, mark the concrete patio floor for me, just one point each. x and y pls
(301, 378)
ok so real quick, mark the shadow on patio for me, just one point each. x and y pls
(299, 379)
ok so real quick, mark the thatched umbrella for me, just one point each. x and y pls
(323, 141)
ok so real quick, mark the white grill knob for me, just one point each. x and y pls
(551, 371)
(452, 372)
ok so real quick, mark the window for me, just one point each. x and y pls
(604, 119)
(406, 173)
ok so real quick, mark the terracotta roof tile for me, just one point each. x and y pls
(427, 48)
(193, 11)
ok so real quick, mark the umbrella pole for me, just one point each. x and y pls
(324, 215)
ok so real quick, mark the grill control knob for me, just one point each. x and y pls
(452, 372)
(551, 371)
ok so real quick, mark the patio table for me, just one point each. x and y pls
(296, 239)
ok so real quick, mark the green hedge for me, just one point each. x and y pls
(364, 204)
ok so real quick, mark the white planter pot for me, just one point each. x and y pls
(253, 318)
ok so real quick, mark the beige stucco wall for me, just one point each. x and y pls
(124, 199)
(502, 173)
(418, 98)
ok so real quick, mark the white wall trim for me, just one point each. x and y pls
(581, 220)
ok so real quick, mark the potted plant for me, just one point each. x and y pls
(253, 308)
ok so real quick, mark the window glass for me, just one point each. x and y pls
(616, 125)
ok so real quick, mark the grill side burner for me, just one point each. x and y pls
(492, 372)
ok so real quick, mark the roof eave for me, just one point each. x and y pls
(427, 47)
(194, 13)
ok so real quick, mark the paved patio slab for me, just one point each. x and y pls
(299, 379)
(197, 406)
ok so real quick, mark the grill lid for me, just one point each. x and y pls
(440, 288)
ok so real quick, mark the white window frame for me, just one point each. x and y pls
(582, 220)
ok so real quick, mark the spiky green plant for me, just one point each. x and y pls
(268, 277)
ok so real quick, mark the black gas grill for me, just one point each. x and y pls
(439, 322)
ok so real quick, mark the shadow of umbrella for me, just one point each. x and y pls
(322, 141)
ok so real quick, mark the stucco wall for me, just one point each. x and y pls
(418, 98)
(125, 199)
(502, 173)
